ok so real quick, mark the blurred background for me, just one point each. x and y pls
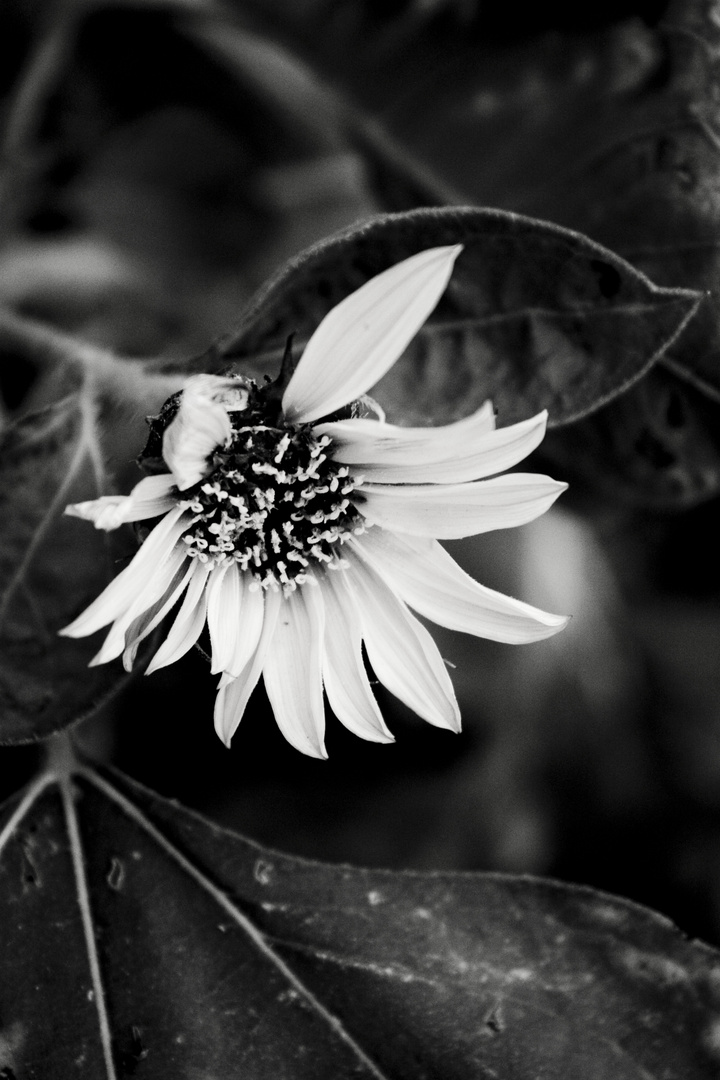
(160, 160)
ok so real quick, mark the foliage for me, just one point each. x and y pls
(183, 187)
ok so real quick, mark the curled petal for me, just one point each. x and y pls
(431, 582)
(449, 511)
(148, 499)
(362, 337)
(201, 425)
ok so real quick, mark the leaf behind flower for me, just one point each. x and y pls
(535, 316)
(50, 566)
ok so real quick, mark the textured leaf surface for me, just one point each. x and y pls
(613, 133)
(534, 317)
(138, 938)
(50, 566)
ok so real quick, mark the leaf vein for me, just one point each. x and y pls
(83, 896)
(25, 804)
(84, 445)
(241, 920)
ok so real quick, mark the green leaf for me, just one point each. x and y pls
(535, 316)
(139, 938)
(50, 567)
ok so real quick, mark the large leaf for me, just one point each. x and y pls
(139, 938)
(51, 566)
(657, 445)
(535, 316)
(612, 133)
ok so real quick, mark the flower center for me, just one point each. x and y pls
(276, 504)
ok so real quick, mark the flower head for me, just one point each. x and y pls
(299, 531)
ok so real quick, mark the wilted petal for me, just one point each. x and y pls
(200, 426)
(449, 511)
(362, 337)
(402, 654)
(234, 693)
(189, 621)
(148, 499)
(346, 681)
(292, 671)
(427, 578)
(134, 579)
(448, 455)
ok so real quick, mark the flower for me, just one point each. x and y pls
(299, 530)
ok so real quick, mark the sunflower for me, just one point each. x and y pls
(301, 528)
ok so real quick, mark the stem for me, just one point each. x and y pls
(42, 345)
(60, 758)
(134, 381)
(36, 83)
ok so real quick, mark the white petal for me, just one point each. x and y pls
(134, 579)
(431, 582)
(189, 621)
(162, 582)
(149, 498)
(235, 619)
(146, 623)
(402, 654)
(252, 605)
(373, 442)
(223, 613)
(234, 693)
(346, 681)
(292, 671)
(362, 337)
(200, 426)
(448, 455)
(448, 511)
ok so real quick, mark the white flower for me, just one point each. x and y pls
(297, 537)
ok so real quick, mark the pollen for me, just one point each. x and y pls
(276, 502)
